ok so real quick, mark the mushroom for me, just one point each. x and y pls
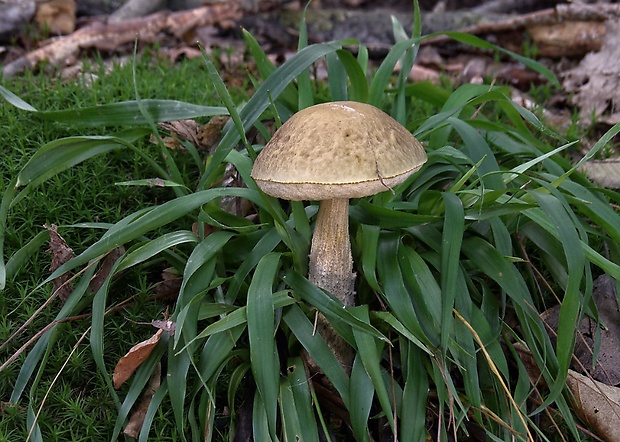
(330, 153)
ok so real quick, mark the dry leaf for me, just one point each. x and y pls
(61, 253)
(204, 137)
(210, 133)
(167, 326)
(603, 172)
(182, 129)
(106, 267)
(607, 369)
(132, 429)
(597, 404)
(134, 358)
(170, 284)
(596, 81)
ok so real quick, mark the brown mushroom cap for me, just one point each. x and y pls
(341, 149)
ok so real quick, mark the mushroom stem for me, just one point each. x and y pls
(331, 268)
(331, 264)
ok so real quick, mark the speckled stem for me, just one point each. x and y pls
(331, 268)
(331, 264)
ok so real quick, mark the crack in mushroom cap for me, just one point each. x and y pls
(341, 149)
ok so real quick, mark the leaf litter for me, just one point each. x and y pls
(592, 382)
(61, 253)
(136, 355)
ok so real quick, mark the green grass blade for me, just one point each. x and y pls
(382, 76)
(336, 78)
(34, 429)
(97, 332)
(238, 317)
(216, 351)
(300, 387)
(122, 113)
(302, 328)
(600, 144)
(370, 352)
(155, 246)
(406, 63)
(415, 394)
(477, 42)
(177, 374)
(398, 279)
(328, 305)
(362, 394)
(65, 153)
(291, 426)
(173, 172)
(196, 278)
(450, 256)
(476, 147)
(369, 242)
(264, 246)
(304, 85)
(419, 338)
(15, 100)
(222, 91)
(153, 219)
(260, 318)
(7, 198)
(151, 182)
(34, 357)
(266, 68)
(151, 411)
(596, 208)
(358, 90)
(575, 258)
(23, 255)
(260, 420)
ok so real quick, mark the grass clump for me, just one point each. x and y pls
(453, 268)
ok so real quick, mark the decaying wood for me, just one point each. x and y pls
(574, 12)
(568, 29)
(109, 36)
(136, 8)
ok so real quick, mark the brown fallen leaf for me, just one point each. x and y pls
(210, 133)
(170, 284)
(204, 137)
(597, 404)
(132, 429)
(134, 358)
(61, 253)
(594, 84)
(57, 16)
(106, 267)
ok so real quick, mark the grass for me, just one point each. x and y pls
(84, 193)
(453, 267)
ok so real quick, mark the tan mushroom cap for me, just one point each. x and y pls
(341, 149)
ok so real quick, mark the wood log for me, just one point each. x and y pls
(109, 36)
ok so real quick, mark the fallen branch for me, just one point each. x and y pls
(109, 36)
(574, 12)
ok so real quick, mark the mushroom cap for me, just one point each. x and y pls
(341, 149)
